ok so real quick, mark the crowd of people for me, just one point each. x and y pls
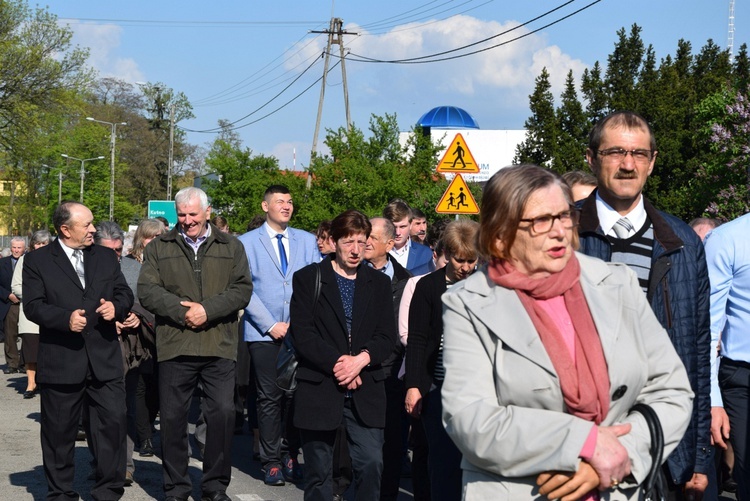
(507, 354)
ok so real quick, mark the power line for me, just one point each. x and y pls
(218, 129)
(426, 59)
(187, 24)
(269, 114)
(257, 75)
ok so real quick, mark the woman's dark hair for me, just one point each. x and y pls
(348, 223)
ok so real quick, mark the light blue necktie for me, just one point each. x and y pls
(623, 228)
(282, 254)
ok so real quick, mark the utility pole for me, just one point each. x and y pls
(112, 139)
(83, 170)
(335, 37)
(170, 164)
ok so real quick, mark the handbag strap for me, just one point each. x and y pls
(657, 442)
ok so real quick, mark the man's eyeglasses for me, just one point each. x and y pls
(619, 154)
(543, 224)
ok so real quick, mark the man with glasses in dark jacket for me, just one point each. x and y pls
(619, 224)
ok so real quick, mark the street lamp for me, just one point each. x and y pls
(83, 172)
(111, 162)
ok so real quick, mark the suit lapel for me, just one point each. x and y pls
(601, 297)
(265, 241)
(294, 251)
(503, 314)
(61, 259)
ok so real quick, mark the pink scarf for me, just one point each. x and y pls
(585, 383)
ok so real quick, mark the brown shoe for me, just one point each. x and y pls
(128, 479)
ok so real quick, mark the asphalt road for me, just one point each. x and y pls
(22, 477)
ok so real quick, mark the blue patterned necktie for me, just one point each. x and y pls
(282, 254)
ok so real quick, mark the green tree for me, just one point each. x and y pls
(540, 146)
(365, 173)
(741, 69)
(573, 130)
(238, 179)
(592, 89)
(40, 76)
(623, 65)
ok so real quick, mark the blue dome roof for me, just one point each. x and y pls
(448, 117)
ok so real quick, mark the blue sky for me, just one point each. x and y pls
(232, 57)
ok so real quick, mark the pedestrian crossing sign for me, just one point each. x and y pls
(458, 158)
(457, 199)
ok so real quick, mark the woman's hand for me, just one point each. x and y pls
(568, 486)
(413, 402)
(355, 384)
(610, 459)
(348, 367)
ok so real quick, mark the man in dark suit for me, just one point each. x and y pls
(75, 291)
(10, 305)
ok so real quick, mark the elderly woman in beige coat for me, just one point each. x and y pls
(545, 352)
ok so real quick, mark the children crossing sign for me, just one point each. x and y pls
(457, 199)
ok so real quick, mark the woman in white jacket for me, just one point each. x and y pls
(545, 353)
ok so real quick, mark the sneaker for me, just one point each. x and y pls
(291, 469)
(274, 476)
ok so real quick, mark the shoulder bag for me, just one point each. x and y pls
(286, 361)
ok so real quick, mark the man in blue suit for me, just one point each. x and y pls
(275, 251)
(416, 258)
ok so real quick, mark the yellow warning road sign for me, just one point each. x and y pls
(457, 199)
(458, 158)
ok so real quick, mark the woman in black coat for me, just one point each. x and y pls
(341, 339)
(424, 367)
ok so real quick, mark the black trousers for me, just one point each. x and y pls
(12, 358)
(274, 407)
(734, 380)
(395, 441)
(61, 407)
(444, 457)
(365, 450)
(178, 378)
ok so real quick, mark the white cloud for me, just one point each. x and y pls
(103, 42)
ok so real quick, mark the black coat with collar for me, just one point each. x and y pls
(52, 291)
(321, 338)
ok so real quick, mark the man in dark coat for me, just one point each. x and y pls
(75, 291)
(10, 305)
(619, 224)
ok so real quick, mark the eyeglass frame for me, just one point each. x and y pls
(571, 211)
(609, 152)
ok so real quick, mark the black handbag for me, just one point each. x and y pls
(654, 487)
(286, 361)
